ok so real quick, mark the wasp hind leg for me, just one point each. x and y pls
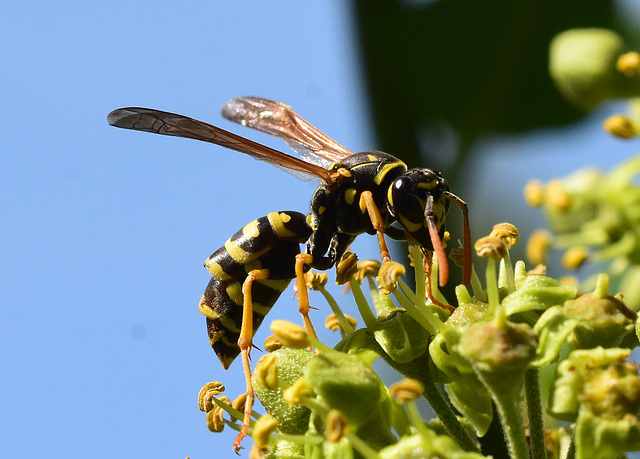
(245, 342)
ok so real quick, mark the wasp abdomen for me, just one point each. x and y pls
(268, 243)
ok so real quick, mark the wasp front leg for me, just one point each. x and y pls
(303, 260)
(368, 204)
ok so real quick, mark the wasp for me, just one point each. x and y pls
(367, 192)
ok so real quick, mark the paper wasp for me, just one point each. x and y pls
(359, 193)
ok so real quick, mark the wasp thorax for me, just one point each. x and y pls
(408, 202)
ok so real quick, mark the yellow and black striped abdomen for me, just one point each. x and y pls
(267, 243)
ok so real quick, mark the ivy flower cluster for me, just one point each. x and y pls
(329, 402)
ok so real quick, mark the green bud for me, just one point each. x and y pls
(346, 383)
(582, 63)
(537, 293)
(289, 363)
(400, 335)
(601, 321)
(499, 347)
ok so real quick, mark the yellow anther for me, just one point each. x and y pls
(388, 276)
(538, 246)
(367, 268)
(267, 371)
(490, 246)
(272, 344)
(316, 280)
(406, 390)
(457, 256)
(290, 334)
(262, 430)
(215, 421)
(556, 196)
(347, 268)
(620, 126)
(297, 393)
(209, 390)
(574, 257)
(333, 324)
(336, 426)
(534, 193)
(629, 63)
(239, 402)
(507, 232)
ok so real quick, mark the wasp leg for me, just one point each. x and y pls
(427, 266)
(303, 259)
(245, 341)
(367, 202)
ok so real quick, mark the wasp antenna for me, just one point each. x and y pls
(466, 278)
(436, 242)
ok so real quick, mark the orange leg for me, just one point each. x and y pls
(427, 270)
(366, 198)
(303, 295)
(245, 341)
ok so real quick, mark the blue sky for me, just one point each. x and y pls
(104, 231)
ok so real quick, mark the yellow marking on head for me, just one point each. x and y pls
(409, 225)
(372, 158)
(430, 185)
(321, 210)
(350, 195)
(277, 221)
(251, 230)
(235, 293)
(385, 170)
(216, 270)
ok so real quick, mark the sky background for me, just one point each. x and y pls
(104, 231)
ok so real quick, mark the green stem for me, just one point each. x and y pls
(342, 320)
(363, 306)
(534, 409)
(419, 369)
(508, 407)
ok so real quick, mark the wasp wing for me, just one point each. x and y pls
(280, 120)
(159, 122)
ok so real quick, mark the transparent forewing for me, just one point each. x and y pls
(159, 122)
(280, 120)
